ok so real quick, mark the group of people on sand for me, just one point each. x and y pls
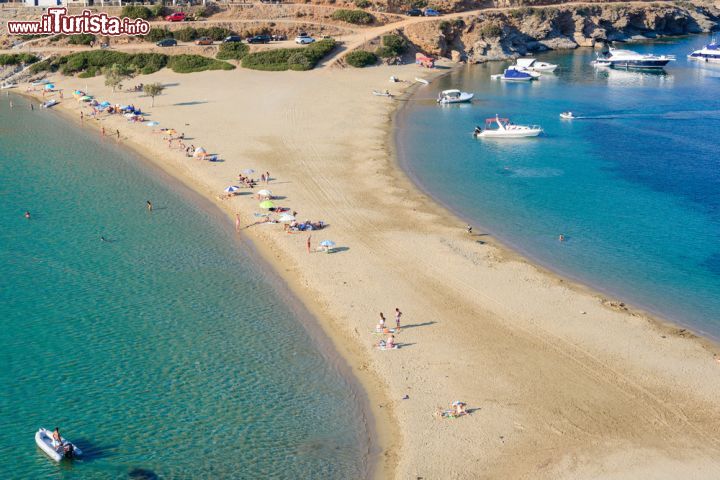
(457, 409)
(382, 327)
(307, 225)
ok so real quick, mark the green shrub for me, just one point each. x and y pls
(159, 10)
(136, 11)
(299, 61)
(187, 34)
(89, 73)
(357, 17)
(361, 58)
(196, 63)
(232, 51)
(41, 66)
(216, 33)
(17, 59)
(363, 3)
(280, 59)
(491, 30)
(81, 39)
(392, 46)
(157, 34)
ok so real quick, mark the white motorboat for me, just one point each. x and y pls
(503, 128)
(382, 94)
(454, 96)
(513, 75)
(50, 103)
(8, 85)
(535, 75)
(533, 65)
(43, 438)
(422, 80)
(567, 115)
(628, 59)
(709, 53)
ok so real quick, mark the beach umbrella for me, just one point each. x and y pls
(267, 204)
(286, 217)
(152, 124)
(105, 104)
(232, 188)
(265, 193)
(49, 86)
(327, 243)
(86, 98)
(248, 171)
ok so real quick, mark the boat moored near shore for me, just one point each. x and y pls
(503, 128)
(56, 450)
(454, 96)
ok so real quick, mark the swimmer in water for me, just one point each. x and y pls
(103, 239)
(27, 214)
(149, 205)
(561, 238)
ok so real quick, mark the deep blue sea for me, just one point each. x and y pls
(634, 184)
(166, 351)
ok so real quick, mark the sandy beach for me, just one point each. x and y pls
(560, 382)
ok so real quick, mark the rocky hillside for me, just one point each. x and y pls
(495, 35)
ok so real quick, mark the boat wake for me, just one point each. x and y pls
(678, 115)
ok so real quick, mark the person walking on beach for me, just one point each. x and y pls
(237, 222)
(82, 116)
(102, 131)
(32, 107)
(398, 314)
(468, 228)
(308, 243)
(267, 178)
(262, 178)
(118, 134)
(148, 204)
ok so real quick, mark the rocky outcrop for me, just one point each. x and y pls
(499, 35)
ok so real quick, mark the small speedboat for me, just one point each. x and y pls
(567, 115)
(454, 96)
(44, 440)
(709, 53)
(382, 94)
(503, 128)
(8, 85)
(533, 65)
(513, 75)
(535, 75)
(422, 80)
(50, 103)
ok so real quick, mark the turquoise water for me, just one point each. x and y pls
(634, 186)
(165, 351)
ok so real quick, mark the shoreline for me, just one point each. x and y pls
(339, 356)
(515, 252)
(347, 344)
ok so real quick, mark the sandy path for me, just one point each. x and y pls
(561, 385)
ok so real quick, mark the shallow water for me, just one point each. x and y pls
(633, 185)
(164, 351)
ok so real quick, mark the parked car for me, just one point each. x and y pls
(431, 12)
(259, 39)
(167, 42)
(304, 39)
(415, 12)
(233, 39)
(176, 17)
(278, 38)
(204, 41)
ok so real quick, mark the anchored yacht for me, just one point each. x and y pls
(503, 128)
(709, 53)
(628, 59)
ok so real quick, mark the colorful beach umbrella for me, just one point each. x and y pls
(265, 193)
(248, 171)
(152, 124)
(86, 98)
(49, 86)
(267, 204)
(232, 188)
(327, 243)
